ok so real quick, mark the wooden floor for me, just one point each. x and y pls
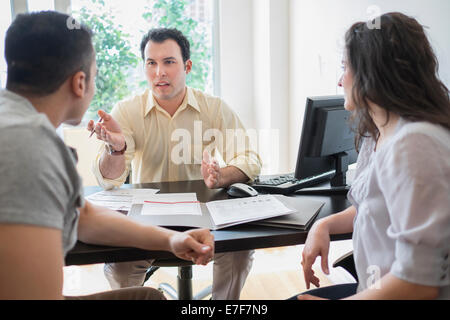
(276, 274)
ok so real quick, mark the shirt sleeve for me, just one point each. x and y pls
(36, 188)
(120, 115)
(414, 177)
(236, 148)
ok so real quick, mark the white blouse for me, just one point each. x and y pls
(402, 196)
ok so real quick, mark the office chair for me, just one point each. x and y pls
(184, 280)
(348, 263)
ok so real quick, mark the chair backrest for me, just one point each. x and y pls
(348, 263)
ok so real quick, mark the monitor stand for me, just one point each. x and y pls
(341, 161)
(325, 190)
(337, 185)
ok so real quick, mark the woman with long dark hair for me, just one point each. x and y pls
(400, 213)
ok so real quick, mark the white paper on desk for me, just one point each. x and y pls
(241, 210)
(170, 204)
(119, 199)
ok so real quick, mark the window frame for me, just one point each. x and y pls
(216, 49)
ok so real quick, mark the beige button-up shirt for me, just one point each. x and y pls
(165, 148)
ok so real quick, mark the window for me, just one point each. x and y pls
(40, 5)
(119, 29)
(5, 21)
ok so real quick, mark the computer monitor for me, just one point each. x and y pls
(327, 143)
(326, 149)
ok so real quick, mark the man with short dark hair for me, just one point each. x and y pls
(51, 73)
(143, 134)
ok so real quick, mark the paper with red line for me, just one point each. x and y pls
(171, 204)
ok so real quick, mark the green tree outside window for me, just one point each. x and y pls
(114, 58)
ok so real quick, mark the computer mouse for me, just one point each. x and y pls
(241, 190)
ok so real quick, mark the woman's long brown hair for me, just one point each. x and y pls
(395, 67)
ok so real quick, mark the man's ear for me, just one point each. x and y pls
(188, 66)
(79, 84)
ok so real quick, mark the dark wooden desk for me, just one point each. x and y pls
(241, 237)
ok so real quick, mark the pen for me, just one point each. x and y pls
(93, 129)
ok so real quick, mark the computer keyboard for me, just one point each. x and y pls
(287, 183)
(276, 181)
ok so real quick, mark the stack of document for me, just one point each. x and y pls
(184, 209)
(177, 210)
(306, 210)
(225, 213)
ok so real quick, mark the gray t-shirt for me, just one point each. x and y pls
(402, 196)
(39, 183)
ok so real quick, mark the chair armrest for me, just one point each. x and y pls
(348, 263)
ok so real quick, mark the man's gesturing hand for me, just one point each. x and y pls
(108, 130)
(210, 171)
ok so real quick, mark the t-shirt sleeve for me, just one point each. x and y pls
(35, 187)
(415, 180)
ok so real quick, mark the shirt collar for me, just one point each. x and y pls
(189, 100)
(22, 101)
(192, 101)
(21, 104)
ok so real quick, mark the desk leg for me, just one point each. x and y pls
(185, 283)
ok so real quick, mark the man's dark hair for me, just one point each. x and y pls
(160, 35)
(43, 49)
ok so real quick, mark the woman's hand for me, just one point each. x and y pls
(317, 244)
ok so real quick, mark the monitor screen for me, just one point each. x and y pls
(327, 140)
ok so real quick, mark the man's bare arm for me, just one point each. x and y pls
(31, 260)
(109, 131)
(112, 167)
(103, 226)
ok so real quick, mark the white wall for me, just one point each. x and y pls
(236, 57)
(87, 148)
(275, 53)
(255, 72)
(317, 29)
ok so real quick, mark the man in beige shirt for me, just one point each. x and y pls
(167, 134)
